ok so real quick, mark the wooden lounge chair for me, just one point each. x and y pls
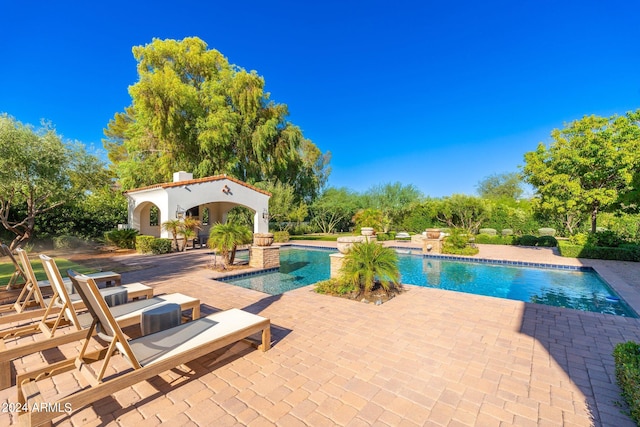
(18, 277)
(147, 356)
(31, 304)
(126, 315)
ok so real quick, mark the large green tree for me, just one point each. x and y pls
(587, 168)
(392, 200)
(501, 186)
(193, 110)
(462, 211)
(333, 210)
(38, 173)
(284, 209)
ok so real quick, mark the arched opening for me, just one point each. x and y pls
(149, 219)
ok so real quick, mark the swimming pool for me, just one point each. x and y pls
(581, 290)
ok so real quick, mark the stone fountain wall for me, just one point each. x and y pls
(264, 256)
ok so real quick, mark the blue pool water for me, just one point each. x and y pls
(582, 290)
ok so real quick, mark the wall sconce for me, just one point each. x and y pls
(265, 214)
(226, 189)
(180, 212)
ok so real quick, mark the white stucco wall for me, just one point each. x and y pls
(219, 195)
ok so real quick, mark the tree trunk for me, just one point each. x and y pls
(232, 255)
(594, 218)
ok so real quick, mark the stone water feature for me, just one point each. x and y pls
(262, 254)
(432, 241)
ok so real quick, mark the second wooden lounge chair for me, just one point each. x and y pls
(18, 277)
(147, 356)
(31, 304)
(126, 315)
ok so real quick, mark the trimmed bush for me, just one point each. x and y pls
(624, 253)
(545, 231)
(489, 231)
(579, 239)
(281, 236)
(526, 240)
(386, 236)
(458, 243)
(627, 360)
(547, 241)
(161, 246)
(607, 238)
(469, 251)
(143, 244)
(335, 286)
(124, 239)
(507, 232)
(486, 239)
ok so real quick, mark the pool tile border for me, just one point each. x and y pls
(499, 262)
(248, 274)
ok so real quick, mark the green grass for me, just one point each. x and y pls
(7, 269)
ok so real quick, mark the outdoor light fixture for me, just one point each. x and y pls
(265, 214)
(226, 189)
(179, 212)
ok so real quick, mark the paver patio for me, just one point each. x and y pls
(428, 357)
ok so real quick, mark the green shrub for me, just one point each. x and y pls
(627, 360)
(458, 243)
(486, 239)
(161, 246)
(580, 239)
(457, 239)
(468, 250)
(124, 239)
(507, 232)
(301, 229)
(547, 241)
(627, 252)
(386, 236)
(546, 231)
(335, 286)
(489, 231)
(143, 243)
(281, 236)
(607, 238)
(526, 240)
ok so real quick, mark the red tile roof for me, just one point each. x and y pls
(198, 181)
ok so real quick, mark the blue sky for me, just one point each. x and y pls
(435, 94)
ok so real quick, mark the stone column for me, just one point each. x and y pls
(336, 264)
(264, 256)
(432, 246)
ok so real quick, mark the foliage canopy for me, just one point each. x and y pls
(590, 165)
(192, 110)
(38, 173)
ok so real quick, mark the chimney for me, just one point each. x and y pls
(182, 176)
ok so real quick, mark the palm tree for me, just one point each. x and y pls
(367, 262)
(188, 229)
(226, 238)
(173, 226)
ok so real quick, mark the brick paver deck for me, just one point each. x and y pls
(429, 357)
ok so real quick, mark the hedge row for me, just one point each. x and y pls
(526, 240)
(152, 245)
(623, 253)
(627, 360)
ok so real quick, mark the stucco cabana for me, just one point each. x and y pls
(208, 199)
